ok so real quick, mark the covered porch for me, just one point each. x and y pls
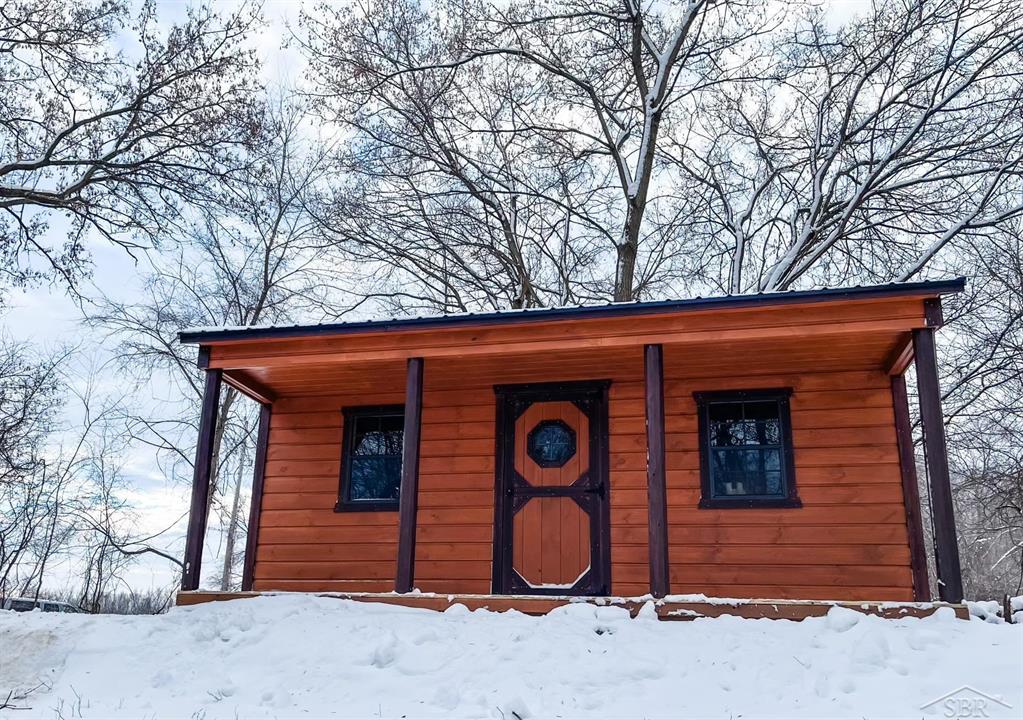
(857, 536)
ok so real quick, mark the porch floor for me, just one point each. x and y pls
(673, 607)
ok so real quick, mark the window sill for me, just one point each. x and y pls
(366, 506)
(751, 503)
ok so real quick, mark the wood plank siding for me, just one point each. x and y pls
(849, 541)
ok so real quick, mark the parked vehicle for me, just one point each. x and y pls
(28, 604)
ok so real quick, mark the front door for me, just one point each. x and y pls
(551, 530)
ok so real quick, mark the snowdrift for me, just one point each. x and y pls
(309, 657)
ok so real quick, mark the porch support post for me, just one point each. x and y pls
(657, 506)
(258, 473)
(910, 490)
(946, 548)
(409, 495)
(202, 471)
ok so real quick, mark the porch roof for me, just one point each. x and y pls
(927, 288)
(860, 328)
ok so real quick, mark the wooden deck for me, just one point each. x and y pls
(679, 607)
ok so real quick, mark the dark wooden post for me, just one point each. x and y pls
(910, 489)
(946, 548)
(409, 496)
(657, 505)
(201, 481)
(258, 474)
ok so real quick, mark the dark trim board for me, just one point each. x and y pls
(502, 500)
(910, 489)
(258, 476)
(408, 502)
(657, 493)
(946, 545)
(934, 316)
(202, 472)
(938, 287)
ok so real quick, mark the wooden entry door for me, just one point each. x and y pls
(551, 529)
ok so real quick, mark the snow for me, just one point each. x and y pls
(992, 611)
(294, 656)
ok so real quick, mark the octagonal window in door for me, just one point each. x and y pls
(551, 443)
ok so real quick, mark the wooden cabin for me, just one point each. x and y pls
(751, 446)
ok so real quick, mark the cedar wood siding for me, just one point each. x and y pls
(848, 541)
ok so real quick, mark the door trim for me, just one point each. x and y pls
(511, 402)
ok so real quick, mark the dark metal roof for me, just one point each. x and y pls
(930, 287)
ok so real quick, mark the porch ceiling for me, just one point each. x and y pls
(708, 359)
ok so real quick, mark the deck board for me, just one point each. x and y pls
(670, 608)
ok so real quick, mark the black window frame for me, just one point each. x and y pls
(349, 417)
(788, 467)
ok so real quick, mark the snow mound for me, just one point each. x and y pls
(993, 611)
(299, 656)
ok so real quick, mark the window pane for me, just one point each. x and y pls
(744, 423)
(725, 411)
(742, 471)
(375, 478)
(760, 410)
(379, 435)
(551, 443)
(745, 441)
(745, 432)
(374, 469)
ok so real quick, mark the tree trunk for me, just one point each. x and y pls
(628, 249)
(218, 441)
(232, 531)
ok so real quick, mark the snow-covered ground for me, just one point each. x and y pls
(308, 657)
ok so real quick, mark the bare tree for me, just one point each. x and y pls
(66, 513)
(29, 399)
(542, 125)
(877, 145)
(109, 139)
(452, 202)
(234, 526)
(982, 391)
(626, 73)
(47, 510)
(886, 149)
(104, 521)
(253, 256)
(30, 493)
